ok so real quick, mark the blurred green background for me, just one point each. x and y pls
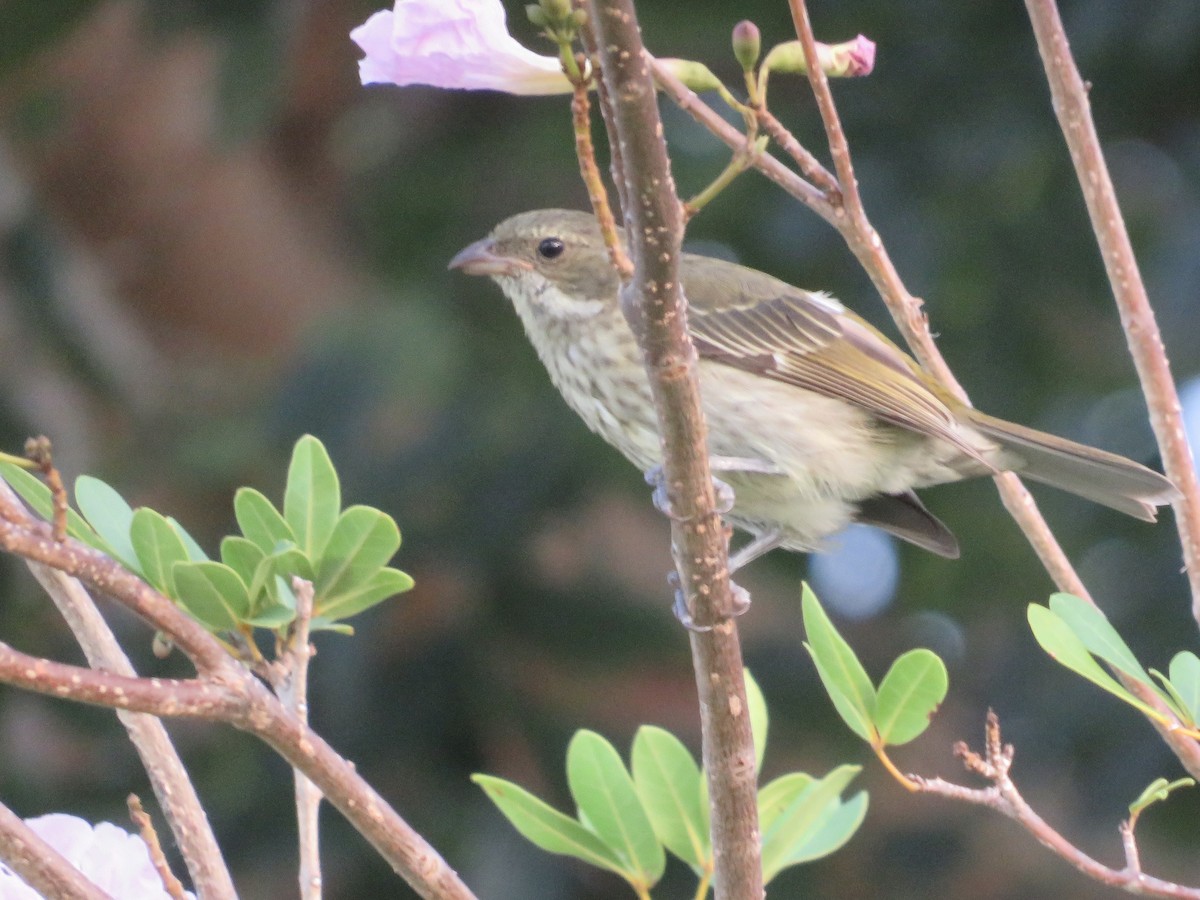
(213, 240)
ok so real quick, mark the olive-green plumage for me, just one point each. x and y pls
(815, 418)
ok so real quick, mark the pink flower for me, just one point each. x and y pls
(860, 56)
(114, 860)
(452, 44)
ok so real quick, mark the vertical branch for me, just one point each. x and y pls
(1069, 96)
(168, 778)
(292, 690)
(654, 304)
(165, 770)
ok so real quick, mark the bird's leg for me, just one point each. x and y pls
(764, 542)
(681, 607)
(658, 479)
(724, 496)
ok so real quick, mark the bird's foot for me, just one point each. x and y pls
(738, 595)
(656, 478)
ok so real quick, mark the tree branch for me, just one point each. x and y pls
(1004, 798)
(169, 779)
(41, 866)
(1069, 95)
(654, 304)
(224, 691)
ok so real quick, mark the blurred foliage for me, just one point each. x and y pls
(213, 240)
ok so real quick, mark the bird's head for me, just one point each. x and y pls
(552, 259)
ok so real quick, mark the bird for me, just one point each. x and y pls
(815, 418)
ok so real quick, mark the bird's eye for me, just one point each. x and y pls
(551, 248)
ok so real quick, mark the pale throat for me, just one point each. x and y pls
(535, 295)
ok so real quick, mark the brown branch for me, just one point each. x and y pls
(689, 101)
(1137, 318)
(35, 542)
(654, 304)
(809, 165)
(291, 686)
(867, 246)
(168, 777)
(1003, 797)
(245, 703)
(145, 826)
(41, 866)
(906, 310)
(225, 691)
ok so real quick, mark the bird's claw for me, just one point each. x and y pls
(656, 477)
(738, 595)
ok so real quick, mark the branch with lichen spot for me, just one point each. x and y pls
(1003, 797)
(168, 777)
(224, 690)
(653, 302)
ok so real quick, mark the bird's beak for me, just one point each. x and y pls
(481, 258)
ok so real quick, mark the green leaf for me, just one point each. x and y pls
(274, 616)
(383, 584)
(242, 555)
(195, 551)
(1185, 679)
(909, 695)
(832, 831)
(158, 547)
(1063, 645)
(213, 593)
(260, 521)
(1094, 630)
(758, 718)
(667, 780)
(845, 679)
(361, 543)
(775, 796)
(1157, 791)
(111, 517)
(546, 827)
(609, 805)
(320, 623)
(802, 817)
(312, 498)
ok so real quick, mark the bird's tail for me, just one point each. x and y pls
(1095, 475)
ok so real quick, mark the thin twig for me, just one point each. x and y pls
(809, 165)
(1003, 797)
(654, 304)
(1137, 317)
(41, 866)
(292, 690)
(585, 151)
(907, 311)
(145, 826)
(691, 103)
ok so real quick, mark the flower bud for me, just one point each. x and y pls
(557, 10)
(747, 44)
(846, 60)
(695, 75)
(537, 15)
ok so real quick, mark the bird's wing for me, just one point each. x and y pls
(809, 341)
